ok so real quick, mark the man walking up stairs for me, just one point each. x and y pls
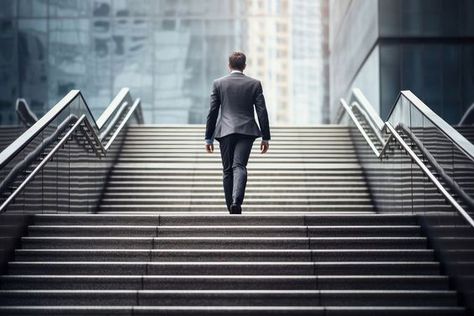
(235, 129)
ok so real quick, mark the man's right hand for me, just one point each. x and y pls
(264, 145)
(209, 148)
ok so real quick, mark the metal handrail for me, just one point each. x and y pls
(49, 156)
(21, 142)
(24, 139)
(392, 133)
(371, 116)
(32, 156)
(430, 175)
(109, 127)
(367, 117)
(362, 100)
(464, 145)
(122, 124)
(447, 179)
(116, 102)
(467, 114)
(24, 113)
(89, 129)
(40, 166)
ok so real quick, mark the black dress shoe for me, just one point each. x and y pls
(235, 209)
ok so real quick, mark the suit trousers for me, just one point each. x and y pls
(235, 151)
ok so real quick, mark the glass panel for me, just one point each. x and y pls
(32, 55)
(124, 8)
(69, 46)
(9, 79)
(73, 179)
(398, 184)
(33, 8)
(70, 8)
(132, 57)
(101, 7)
(426, 18)
(8, 9)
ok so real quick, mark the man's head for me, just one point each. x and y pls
(237, 61)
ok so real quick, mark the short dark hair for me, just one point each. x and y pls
(237, 61)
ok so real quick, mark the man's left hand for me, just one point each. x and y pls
(264, 145)
(209, 148)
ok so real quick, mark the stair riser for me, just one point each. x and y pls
(156, 256)
(225, 269)
(221, 208)
(147, 243)
(250, 299)
(187, 190)
(256, 160)
(198, 283)
(258, 185)
(255, 154)
(237, 311)
(199, 220)
(461, 255)
(229, 231)
(198, 150)
(249, 202)
(215, 190)
(252, 179)
(140, 170)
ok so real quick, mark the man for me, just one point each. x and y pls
(235, 127)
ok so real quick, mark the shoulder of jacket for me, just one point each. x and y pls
(252, 79)
(221, 79)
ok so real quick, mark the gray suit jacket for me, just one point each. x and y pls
(235, 95)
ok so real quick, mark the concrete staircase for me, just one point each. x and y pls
(308, 169)
(308, 242)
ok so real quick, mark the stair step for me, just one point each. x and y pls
(224, 242)
(218, 184)
(193, 150)
(220, 255)
(227, 297)
(202, 219)
(269, 167)
(290, 155)
(222, 231)
(224, 268)
(188, 189)
(233, 310)
(216, 178)
(202, 208)
(224, 282)
(121, 200)
(256, 173)
(257, 160)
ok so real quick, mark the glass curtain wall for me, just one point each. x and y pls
(166, 51)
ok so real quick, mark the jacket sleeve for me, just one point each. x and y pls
(262, 114)
(213, 112)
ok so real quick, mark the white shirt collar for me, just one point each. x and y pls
(235, 70)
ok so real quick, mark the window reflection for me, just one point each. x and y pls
(166, 51)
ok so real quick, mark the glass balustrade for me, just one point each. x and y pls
(61, 163)
(398, 184)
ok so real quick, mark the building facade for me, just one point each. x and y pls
(288, 49)
(310, 61)
(384, 46)
(269, 52)
(167, 52)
